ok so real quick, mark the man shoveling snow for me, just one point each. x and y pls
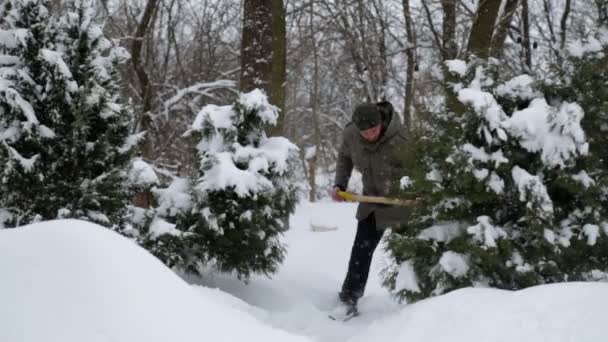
(371, 143)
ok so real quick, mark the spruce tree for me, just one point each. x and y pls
(512, 187)
(239, 204)
(64, 136)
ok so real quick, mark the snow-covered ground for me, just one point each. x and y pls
(73, 281)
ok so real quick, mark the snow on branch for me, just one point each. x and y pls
(203, 88)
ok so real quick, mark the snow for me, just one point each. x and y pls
(434, 176)
(519, 87)
(406, 277)
(556, 313)
(257, 100)
(486, 106)
(455, 264)
(26, 163)
(45, 132)
(579, 48)
(14, 99)
(61, 283)
(532, 188)
(273, 151)
(225, 174)
(8, 60)
(584, 178)
(444, 232)
(457, 66)
(310, 152)
(228, 164)
(556, 133)
(479, 154)
(73, 281)
(592, 232)
(55, 59)
(131, 142)
(218, 116)
(142, 174)
(485, 232)
(174, 199)
(160, 227)
(405, 182)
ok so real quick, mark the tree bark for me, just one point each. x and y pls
(312, 162)
(279, 62)
(504, 23)
(429, 18)
(564, 25)
(449, 46)
(411, 64)
(527, 49)
(145, 121)
(256, 46)
(482, 31)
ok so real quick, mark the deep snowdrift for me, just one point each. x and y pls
(568, 312)
(71, 281)
(74, 281)
(299, 297)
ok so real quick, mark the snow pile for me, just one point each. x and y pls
(556, 313)
(73, 281)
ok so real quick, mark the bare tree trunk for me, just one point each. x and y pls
(256, 46)
(312, 163)
(549, 18)
(279, 62)
(145, 121)
(527, 50)
(429, 18)
(504, 23)
(482, 31)
(383, 77)
(411, 64)
(563, 25)
(449, 46)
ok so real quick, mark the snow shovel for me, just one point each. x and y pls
(350, 197)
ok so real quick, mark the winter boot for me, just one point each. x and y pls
(344, 311)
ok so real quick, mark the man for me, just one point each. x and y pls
(372, 143)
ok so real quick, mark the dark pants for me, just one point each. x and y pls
(366, 241)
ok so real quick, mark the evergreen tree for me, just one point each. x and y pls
(64, 138)
(238, 205)
(513, 191)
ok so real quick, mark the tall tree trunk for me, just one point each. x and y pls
(504, 23)
(429, 18)
(145, 121)
(411, 64)
(256, 46)
(527, 49)
(480, 39)
(564, 25)
(449, 47)
(312, 162)
(279, 61)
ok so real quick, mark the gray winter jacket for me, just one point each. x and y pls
(380, 163)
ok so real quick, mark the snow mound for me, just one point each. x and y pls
(70, 280)
(557, 313)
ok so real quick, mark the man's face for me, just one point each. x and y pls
(371, 134)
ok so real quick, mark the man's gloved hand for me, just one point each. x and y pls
(334, 194)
